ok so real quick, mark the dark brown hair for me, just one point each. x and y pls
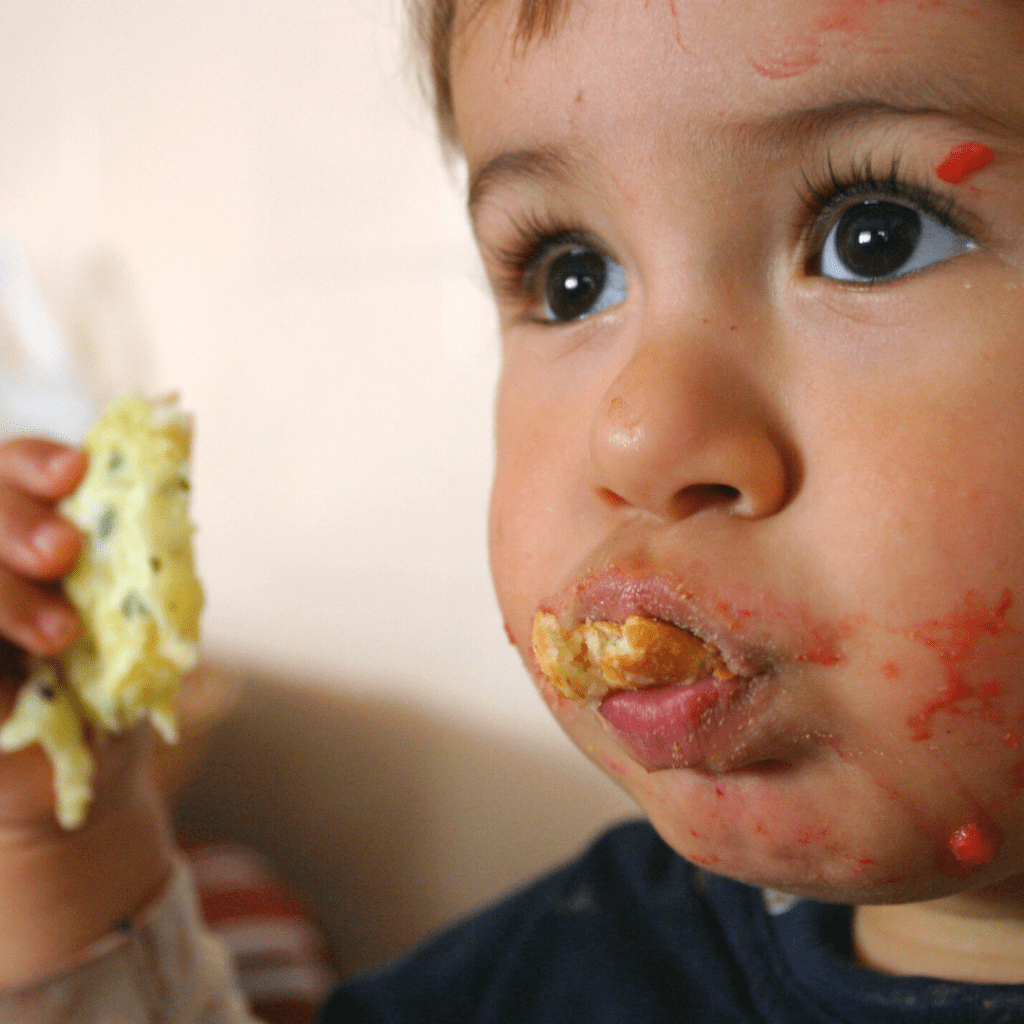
(433, 26)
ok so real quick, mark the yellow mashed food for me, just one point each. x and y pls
(136, 590)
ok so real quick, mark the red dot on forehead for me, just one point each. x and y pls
(964, 160)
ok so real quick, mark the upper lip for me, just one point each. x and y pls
(629, 586)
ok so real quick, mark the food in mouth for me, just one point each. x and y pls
(588, 661)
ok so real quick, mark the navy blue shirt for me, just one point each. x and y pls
(633, 934)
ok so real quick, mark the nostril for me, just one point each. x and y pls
(698, 496)
(715, 494)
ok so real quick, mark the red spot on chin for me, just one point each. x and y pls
(963, 160)
(975, 843)
(890, 670)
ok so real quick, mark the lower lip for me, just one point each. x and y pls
(690, 725)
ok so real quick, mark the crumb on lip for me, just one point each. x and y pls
(586, 662)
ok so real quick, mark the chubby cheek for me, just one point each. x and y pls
(913, 785)
(541, 521)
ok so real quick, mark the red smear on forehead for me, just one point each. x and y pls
(964, 160)
(792, 58)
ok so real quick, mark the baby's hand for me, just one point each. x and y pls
(60, 889)
(37, 545)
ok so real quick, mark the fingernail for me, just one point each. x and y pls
(48, 538)
(61, 462)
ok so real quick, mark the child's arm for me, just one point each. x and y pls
(64, 894)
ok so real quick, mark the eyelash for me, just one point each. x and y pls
(823, 196)
(534, 237)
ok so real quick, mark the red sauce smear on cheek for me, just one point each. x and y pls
(975, 843)
(953, 639)
(964, 160)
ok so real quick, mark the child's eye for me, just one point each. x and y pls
(879, 239)
(580, 282)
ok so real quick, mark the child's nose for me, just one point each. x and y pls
(682, 429)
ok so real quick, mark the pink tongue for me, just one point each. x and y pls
(662, 724)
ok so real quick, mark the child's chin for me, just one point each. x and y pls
(834, 880)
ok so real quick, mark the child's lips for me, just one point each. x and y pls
(703, 724)
(712, 722)
(614, 594)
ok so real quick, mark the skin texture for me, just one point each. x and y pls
(823, 477)
(60, 890)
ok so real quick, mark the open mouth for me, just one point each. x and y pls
(667, 695)
(590, 660)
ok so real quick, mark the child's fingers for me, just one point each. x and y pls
(42, 468)
(35, 617)
(34, 539)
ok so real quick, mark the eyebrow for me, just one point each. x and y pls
(550, 165)
(557, 165)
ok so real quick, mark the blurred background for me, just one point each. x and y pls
(244, 202)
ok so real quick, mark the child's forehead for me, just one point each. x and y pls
(806, 24)
(750, 64)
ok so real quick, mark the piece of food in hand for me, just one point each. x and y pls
(135, 588)
(135, 585)
(586, 662)
(47, 713)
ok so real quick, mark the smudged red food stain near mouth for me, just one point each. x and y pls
(813, 836)
(953, 639)
(614, 766)
(963, 161)
(975, 844)
(824, 646)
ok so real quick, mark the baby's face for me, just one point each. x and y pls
(764, 379)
